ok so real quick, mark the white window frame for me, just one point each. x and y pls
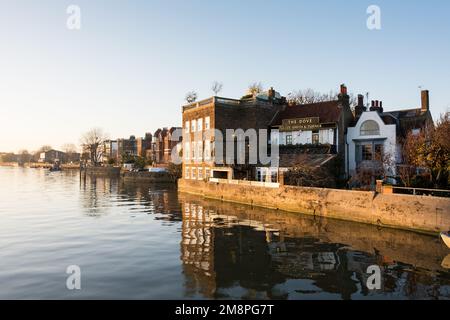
(200, 151)
(187, 127)
(187, 152)
(207, 151)
(200, 173)
(207, 123)
(200, 125)
(187, 173)
(193, 125)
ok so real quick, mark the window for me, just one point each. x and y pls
(207, 173)
(315, 137)
(207, 123)
(187, 174)
(200, 173)
(289, 139)
(207, 150)
(193, 125)
(366, 152)
(199, 125)
(186, 126)
(415, 132)
(379, 152)
(200, 151)
(370, 128)
(193, 174)
(187, 152)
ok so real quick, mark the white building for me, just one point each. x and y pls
(377, 136)
(371, 139)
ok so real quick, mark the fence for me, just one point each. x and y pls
(420, 191)
(272, 185)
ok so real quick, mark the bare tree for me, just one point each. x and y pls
(69, 148)
(45, 148)
(255, 88)
(307, 96)
(24, 157)
(92, 143)
(216, 87)
(191, 97)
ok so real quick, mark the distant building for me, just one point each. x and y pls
(143, 145)
(52, 156)
(110, 151)
(376, 135)
(164, 141)
(126, 147)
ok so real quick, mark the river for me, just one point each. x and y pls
(138, 241)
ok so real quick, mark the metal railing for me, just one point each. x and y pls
(246, 183)
(422, 191)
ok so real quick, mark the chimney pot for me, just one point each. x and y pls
(360, 100)
(425, 100)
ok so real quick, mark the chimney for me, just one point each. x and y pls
(360, 108)
(425, 100)
(271, 93)
(380, 107)
(344, 97)
(360, 101)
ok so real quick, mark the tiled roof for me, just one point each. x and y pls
(310, 160)
(328, 112)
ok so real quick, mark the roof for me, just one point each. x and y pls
(310, 160)
(407, 120)
(328, 112)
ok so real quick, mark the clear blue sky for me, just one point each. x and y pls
(127, 70)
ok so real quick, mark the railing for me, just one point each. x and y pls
(246, 183)
(420, 191)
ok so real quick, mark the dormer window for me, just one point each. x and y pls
(370, 128)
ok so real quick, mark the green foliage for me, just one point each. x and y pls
(139, 163)
(175, 171)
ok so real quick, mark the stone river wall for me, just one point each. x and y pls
(418, 213)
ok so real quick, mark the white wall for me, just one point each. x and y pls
(326, 136)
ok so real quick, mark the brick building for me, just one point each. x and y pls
(144, 144)
(164, 141)
(204, 152)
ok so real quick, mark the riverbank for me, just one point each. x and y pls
(148, 177)
(128, 176)
(418, 213)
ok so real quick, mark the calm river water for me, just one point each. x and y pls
(135, 241)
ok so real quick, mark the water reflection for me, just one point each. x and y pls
(233, 251)
(140, 241)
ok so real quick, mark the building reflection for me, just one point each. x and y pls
(233, 251)
(101, 194)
